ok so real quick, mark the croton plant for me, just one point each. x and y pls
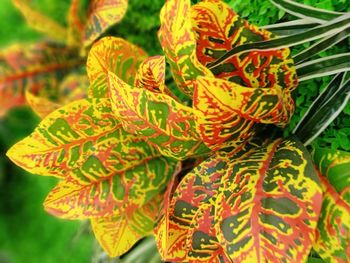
(197, 160)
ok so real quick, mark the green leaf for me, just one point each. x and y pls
(330, 28)
(290, 27)
(321, 45)
(306, 12)
(323, 110)
(325, 66)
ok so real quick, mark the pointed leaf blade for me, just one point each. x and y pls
(117, 234)
(101, 15)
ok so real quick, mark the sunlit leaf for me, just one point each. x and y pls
(333, 230)
(162, 121)
(41, 22)
(218, 30)
(227, 113)
(38, 68)
(253, 205)
(101, 15)
(68, 136)
(115, 55)
(117, 234)
(102, 194)
(179, 44)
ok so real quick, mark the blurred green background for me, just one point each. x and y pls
(27, 232)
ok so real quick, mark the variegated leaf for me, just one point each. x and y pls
(76, 23)
(115, 55)
(151, 75)
(41, 22)
(117, 234)
(179, 44)
(163, 122)
(333, 230)
(261, 203)
(218, 29)
(101, 15)
(66, 138)
(335, 165)
(38, 68)
(93, 191)
(227, 113)
(73, 87)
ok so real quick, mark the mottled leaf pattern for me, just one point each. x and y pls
(151, 75)
(41, 22)
(68, 136)
(335, 165)
(73, 87)
(179, 44)
(101, 15)
(76, 23)
(166, 124)
(218, 29)
(38, 68)
(117, 234)
(257, 204)
(227, 113)
(116, 55)
(92, 192)
(333, 230)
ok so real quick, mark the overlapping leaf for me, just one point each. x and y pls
(218, 30)
(41, 22)
(38, 68)
(65, 138)
(117, 234)
(101, 15)
(151, 75)
(76, 21)
(333, 231)
(73, 87)
(179, 44)
(258, 204)
(166, 124)
(90, 193)
(115, 55)
(227, 113)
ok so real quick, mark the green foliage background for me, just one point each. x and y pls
(27, 232)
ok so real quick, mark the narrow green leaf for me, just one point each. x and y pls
(323, 97)
(330, 28)
(321, 45)
(325, 66)
(329, 105)
(290, 27)
(306, 12)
